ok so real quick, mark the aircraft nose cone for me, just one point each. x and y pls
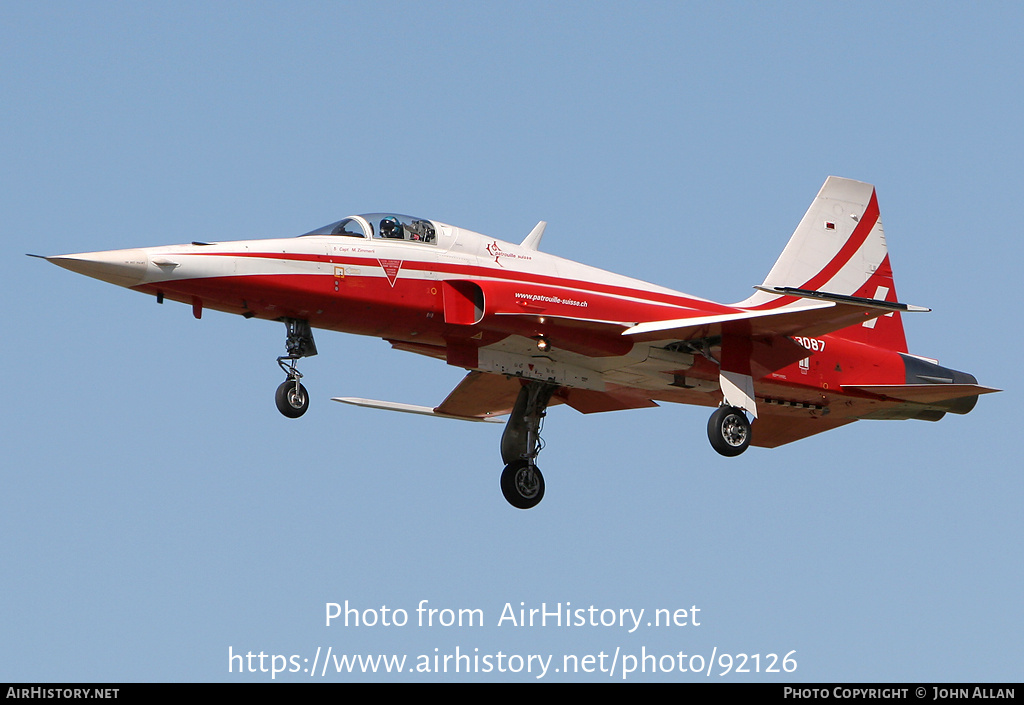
(121, 267)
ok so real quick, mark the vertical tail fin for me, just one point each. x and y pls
(839, 248)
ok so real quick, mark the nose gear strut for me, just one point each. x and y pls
(291, 398)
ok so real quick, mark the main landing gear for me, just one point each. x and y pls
(521, 481)
(729, 431)
(292, 398)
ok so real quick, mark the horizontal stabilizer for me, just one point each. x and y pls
(408, 409)
(922, 393)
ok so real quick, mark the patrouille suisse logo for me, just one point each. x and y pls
(390, 267)
(497, 253)
(494, 251)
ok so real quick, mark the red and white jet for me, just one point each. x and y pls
(819, 345)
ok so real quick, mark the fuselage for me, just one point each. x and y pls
(482, 304)
(819, 345)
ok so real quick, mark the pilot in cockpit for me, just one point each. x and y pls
(391, 228)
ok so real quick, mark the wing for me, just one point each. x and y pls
(806, 319)
(478, 397)
(773, 430)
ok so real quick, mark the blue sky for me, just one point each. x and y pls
(156, 510)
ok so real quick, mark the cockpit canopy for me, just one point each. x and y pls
(388, 226)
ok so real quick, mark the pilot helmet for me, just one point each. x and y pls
(390, 227)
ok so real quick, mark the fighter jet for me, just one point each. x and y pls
(818, 345)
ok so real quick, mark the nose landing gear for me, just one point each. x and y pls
(291, 397)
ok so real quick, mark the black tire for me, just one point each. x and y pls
(522, 485)
(291, 402)
(729, 431)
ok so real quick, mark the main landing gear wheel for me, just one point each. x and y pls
(292, 399)
(521, 481)
(522, 484)
(729, 431)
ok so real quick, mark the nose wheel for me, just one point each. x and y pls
(291, 397)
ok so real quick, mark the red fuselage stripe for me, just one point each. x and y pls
(469, 270)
